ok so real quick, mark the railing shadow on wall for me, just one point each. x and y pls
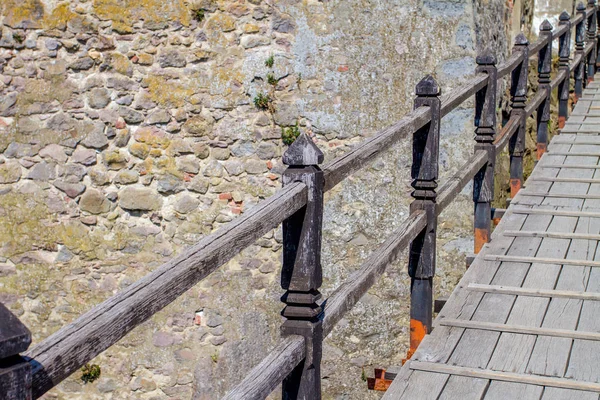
(295, 361)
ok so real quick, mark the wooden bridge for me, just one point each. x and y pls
(522, 323)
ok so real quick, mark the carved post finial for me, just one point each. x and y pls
(580, 6)
(546, 26)
(303, 152)
(521, 40)
(301, 273)
(428, 87)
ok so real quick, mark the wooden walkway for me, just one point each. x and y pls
(524, 322)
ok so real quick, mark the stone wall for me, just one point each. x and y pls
(129, 130)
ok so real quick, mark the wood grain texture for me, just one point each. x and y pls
(542, 260)
(505, 376)
(521, 329)
(269, 373)
(347, 295)
(567, 213)
(555, 235)
(510, 64)
(506, 133)
(67, 350)
(453, 186)
(367, 151)
(535, 102)
(573, 180)
(532, 292)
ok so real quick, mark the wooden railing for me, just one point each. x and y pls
(295, 361)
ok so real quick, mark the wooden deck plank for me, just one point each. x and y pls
(487, 364)
(513, 350)
(567, 394)
(507, 390)
(464, 388)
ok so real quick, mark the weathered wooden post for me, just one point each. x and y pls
(579, 51)
(424, 172)
(485, 133)
(544, 70)
(518, 91)
(15, 371)
(592, 37)
(564, 52)
(301, 275)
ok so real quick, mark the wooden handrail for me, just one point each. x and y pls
(263, 378)
(65, 351)
(268, 374)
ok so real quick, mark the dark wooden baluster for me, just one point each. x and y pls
(564, 52)
(579, 47)
(592, 38)
(15, 371)
(424, 172)
(302, 275)
(518, 91)
(544, 70)
(485, 133)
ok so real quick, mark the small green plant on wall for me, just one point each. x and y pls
(289, 134)
(90, 372)
(198, 14)
(271, 80)
(263, 101)
(270, 61)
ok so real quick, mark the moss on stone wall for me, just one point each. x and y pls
(154, 13)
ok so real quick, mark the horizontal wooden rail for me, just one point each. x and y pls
(453, 186)
(532, 292)
(510, 64)
(348, 294)
(542, 260)
(67, 350)
(269, 373)
(71, 347)
(560, 76)
(342, 167)
(263, 378)
(533, 105)
(506, 133)
(588, 47)
(520, 329)
(536, 46)
(457, 96)
(576, 20)
(512, 377)
(561, 30)
(576, 61)
(562, 213)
